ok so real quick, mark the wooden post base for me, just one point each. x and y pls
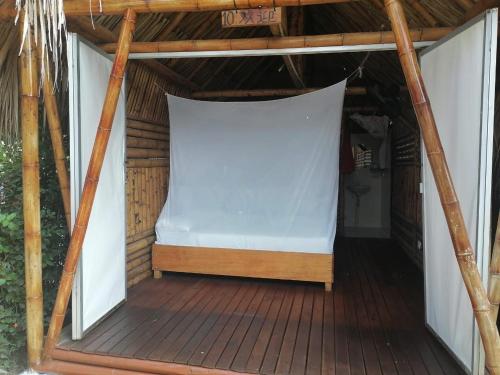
(328, 287)
(157, 274)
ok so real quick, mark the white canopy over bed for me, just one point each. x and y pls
(254, 175)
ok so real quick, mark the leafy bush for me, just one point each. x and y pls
(54, 243)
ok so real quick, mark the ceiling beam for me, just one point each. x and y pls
(281, 30)
(98, 34)
(117, 7)
(290, 42)
(350, 91)
(480, 7)
(170, 27)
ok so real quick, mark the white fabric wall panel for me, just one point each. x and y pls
(454, 74)
(254, 175)
(101, 280)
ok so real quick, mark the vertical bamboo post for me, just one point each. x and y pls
(461, 243)
(56, 138)
(494, 280)
(91, 180)
(28, 89)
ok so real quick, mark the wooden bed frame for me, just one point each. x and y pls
(246, 263)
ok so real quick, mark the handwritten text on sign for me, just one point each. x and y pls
(251, 17)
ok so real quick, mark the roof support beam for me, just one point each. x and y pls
(483, 310)
(117, 7)
(327, 43)
(350, 91)
(281, 30)
(99, 34)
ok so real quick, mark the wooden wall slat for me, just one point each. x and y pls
(406, 200)
(147, 163)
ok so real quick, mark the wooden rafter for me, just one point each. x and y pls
(91, 180)
(347, 39)
(480, 7)
(114, 7)
(99, 34)
(281, 30)
(171, 26)
(350, 91)
(483, 310)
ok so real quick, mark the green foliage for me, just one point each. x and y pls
(54, 242)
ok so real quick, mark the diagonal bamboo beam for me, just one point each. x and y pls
(28, 90)
(326, 40)
(449, 200)
(56, 138)
(99, 34)
(91, 181)
(494, 279)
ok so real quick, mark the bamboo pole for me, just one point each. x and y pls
(350, 91)
(326, 40)
(91, 180)
(56, 138)
(494, 279)
(451, 206)
(28, 89)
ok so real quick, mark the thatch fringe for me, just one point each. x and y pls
(9, 128)
(47, 21)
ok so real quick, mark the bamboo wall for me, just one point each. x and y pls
(406, 201)
(147, 164)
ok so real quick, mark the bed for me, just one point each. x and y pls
(253, 188)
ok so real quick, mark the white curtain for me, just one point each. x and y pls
(254, 175)
(100, 283)
(454, 73)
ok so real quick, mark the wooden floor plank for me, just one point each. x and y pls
(209, 313)
(171, 317)
(314, 353)
(219, 345)
(371, 324)
(209, 328)
(266, 351)
(328, 337)
(370, 354)
(299, 356)
(268, 306)
(290, 337)
(259, 306)
(182, 324)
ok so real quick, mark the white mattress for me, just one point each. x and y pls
(307, 239)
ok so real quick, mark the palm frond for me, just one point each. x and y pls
(9, 45)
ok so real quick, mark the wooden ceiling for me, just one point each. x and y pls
(272, 72)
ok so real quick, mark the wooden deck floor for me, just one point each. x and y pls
(372, 323)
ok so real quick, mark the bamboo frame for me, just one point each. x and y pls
(54, 125)
(350, 91)
(91, 180)
(28, 89)
(325, 40)
(494, 279)
(451, 206)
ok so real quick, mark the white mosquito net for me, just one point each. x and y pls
(254, 175)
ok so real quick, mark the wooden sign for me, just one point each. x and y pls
(251, 17)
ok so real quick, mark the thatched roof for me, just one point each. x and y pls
(252, 72)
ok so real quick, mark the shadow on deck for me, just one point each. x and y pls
(372, 323)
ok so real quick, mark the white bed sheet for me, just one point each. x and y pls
(254, 175)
